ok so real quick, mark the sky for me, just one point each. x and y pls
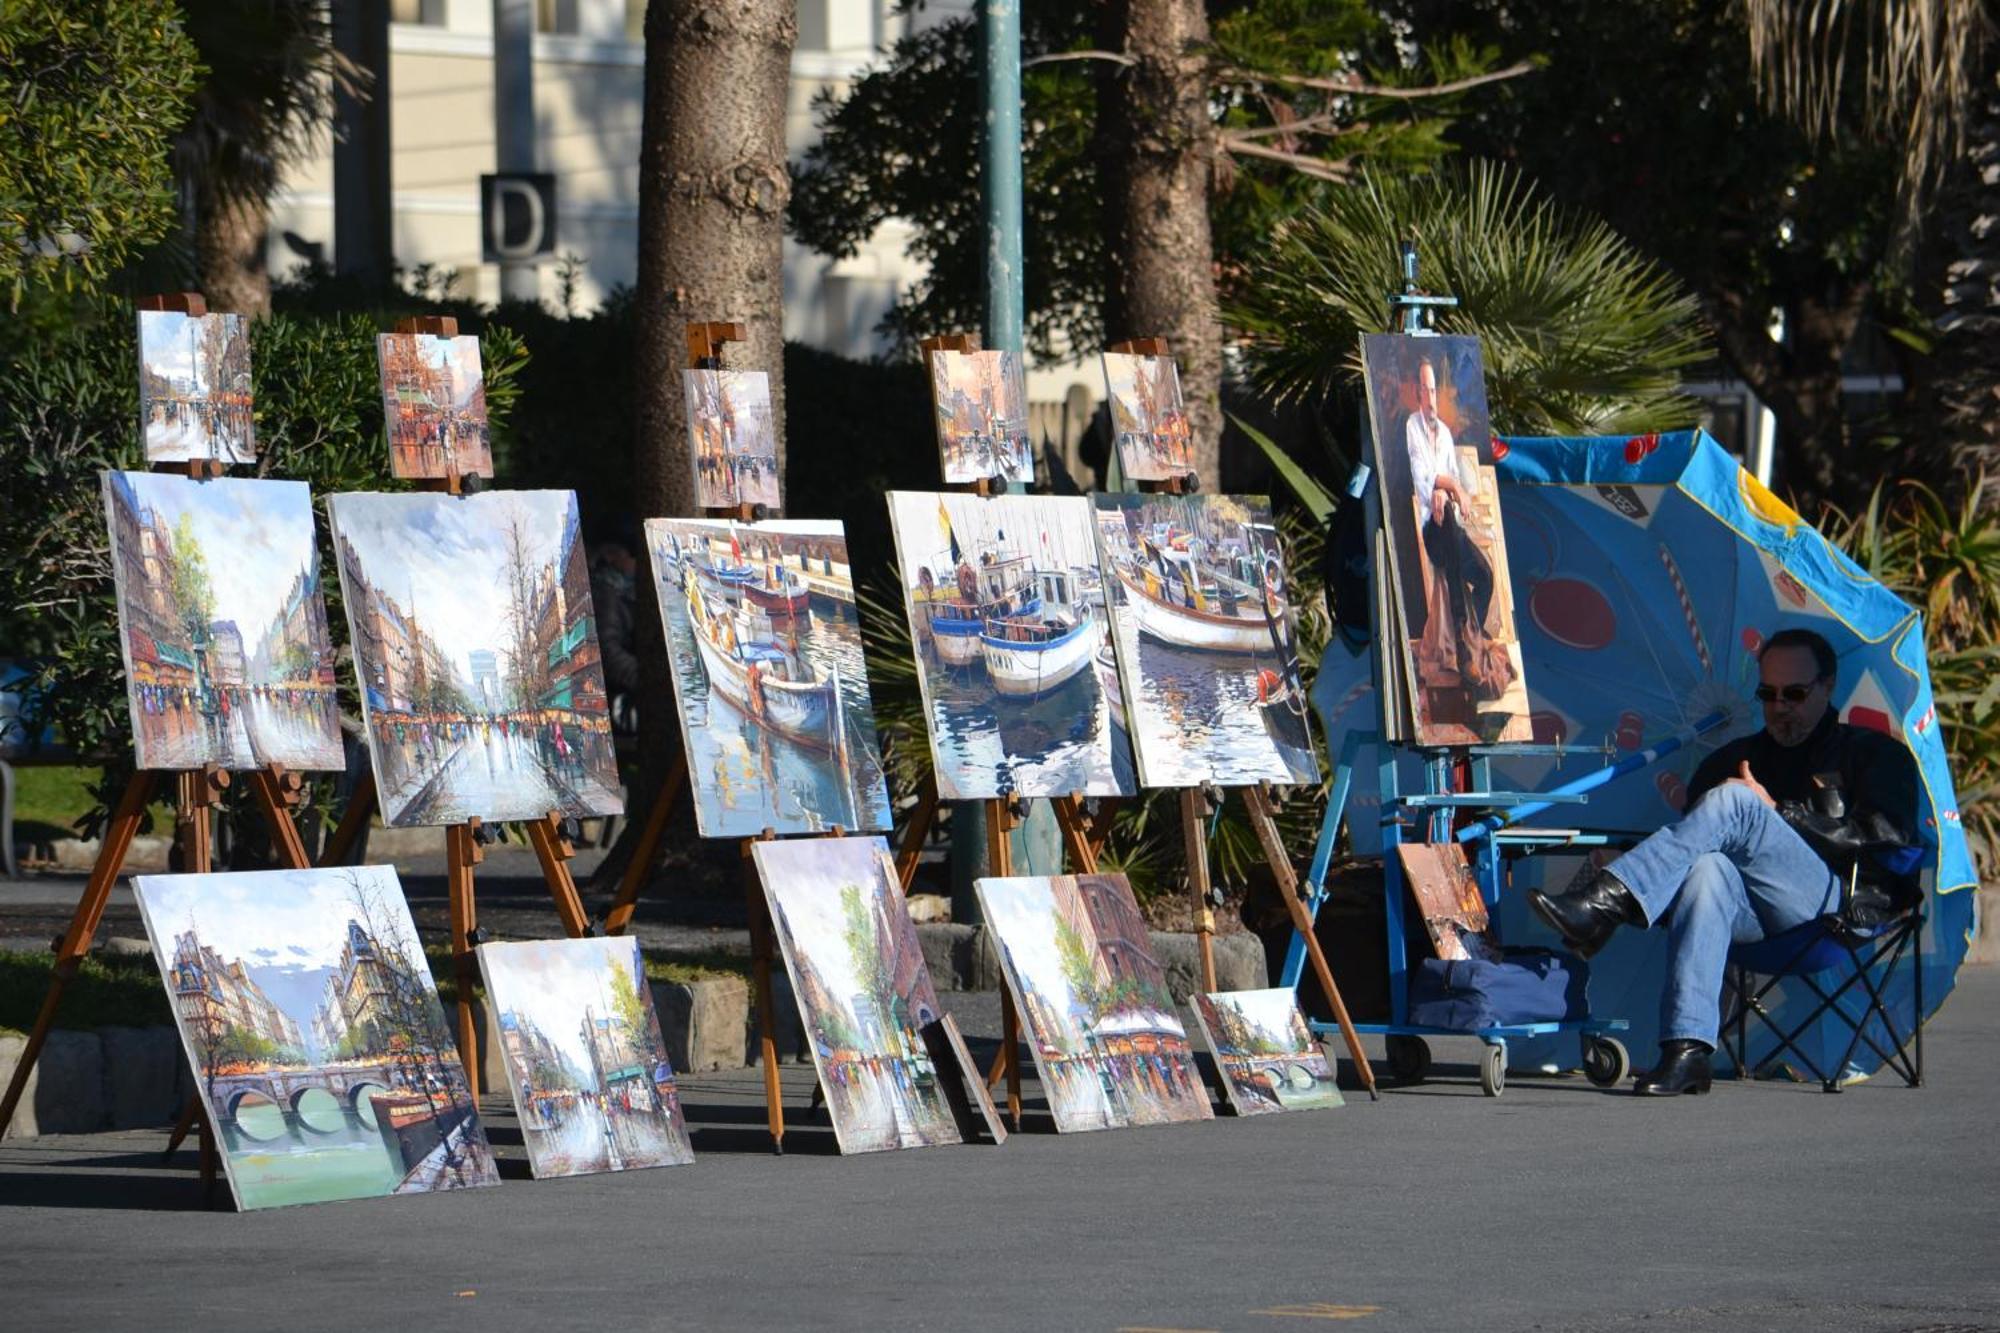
(805, 876)
(1021, 910)
(164, 344)
(1025, 520)
(256, 537)
(551, 982)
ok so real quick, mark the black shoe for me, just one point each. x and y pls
(1683, 1068)
(1585, 920)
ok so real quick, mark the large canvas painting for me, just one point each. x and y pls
(434, 405)
(320, 1052)
(734, 439)
(1433, 455)
(1148, 419)
(765, 645)
(982, 417)
(1095, 1010)
(585, 1061)
(864, 992)
(1006, 613)
(195, 395)
(477, 651)
(1267, 1055)
(1207, 643)
(222, 623)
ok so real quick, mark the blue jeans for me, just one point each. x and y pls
(1728, 871)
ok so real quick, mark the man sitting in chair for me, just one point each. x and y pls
(1806, 817)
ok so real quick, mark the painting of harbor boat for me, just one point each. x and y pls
(1207, 644)
(733, 439)
(864, 993)
(764, 642)
(1267, 1055)
(585, 1061)
(320, 1052)
(1108, 1043)
(195, 393)
(1148, 419)
(434, 405)
(982, 417)
(1007, 614)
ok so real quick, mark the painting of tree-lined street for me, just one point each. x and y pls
(476, 647)
(982, 417)
(434, 405)
(320, 1052)
(222, 623)
(1095, 1010)
(864, 992)
(1267, 1054)
(195, 396)
(732, 437)
(585, 1060)
(1149, 422)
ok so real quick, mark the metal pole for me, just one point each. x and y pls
(514, 119)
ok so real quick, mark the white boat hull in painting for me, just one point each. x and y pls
(1185, 627)
(1024, 670)
(955, 647)
(801, 710)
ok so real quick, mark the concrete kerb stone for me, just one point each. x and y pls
(703, 1022)
(65, 1093)
(141, 1075)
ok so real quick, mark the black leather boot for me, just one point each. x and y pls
(1585, 920)
(1683, 1068)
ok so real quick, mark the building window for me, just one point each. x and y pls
(427, 12)
(556, 16)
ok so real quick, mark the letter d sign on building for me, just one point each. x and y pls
(517, 218)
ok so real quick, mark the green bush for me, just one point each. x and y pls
(109, 990)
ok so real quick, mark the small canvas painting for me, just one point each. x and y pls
(1207, 641)
(222, 624)
(864, 992)
(585, 1060)
(320, 1052)
(1267, 1054)
(476, 647)
(434, 405)
(1447, 894)
(982, 417)
(1148, 419)
(1107, 1039)
(764, 640)
(733, 438)
(195, 395)
(1006, 610)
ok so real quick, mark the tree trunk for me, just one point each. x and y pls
(1958, 386)
(229, 254)
(1157, 146)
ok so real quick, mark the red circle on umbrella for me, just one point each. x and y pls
(1573, 613)
(1500, 449)
(1548, 728)
(1672, 790)
(1752, 639)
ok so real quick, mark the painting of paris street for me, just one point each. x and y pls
(1207, 645)
(474, 641)
(733, 437)
(765, 645)
(1148, 419)
(1006, 610)
(195, 395)
(1267, 1054)
(320, 1052)
(434, 405)
(863, 990)
(1108, 1043)
(221, 622)
(585, 1061)
(982, 417)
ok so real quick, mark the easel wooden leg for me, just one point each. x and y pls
(1194, 834)
(645, 856)
(919, 828)
(767, 1022)
(553, 851)
(461, 853)
(277, 793)
(210, 1160)
(1288, 889)
(1075, 833)
(184, 1124)
(360, 806)
(1000, 860)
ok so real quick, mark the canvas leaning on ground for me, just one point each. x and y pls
(477, 654)
(863, 990)
(1267, 1055)
(1149, 421)
(1095, 1010)
(733, 438)
(764, 641)
(322, 1057)
(434, 405)
(982, 417)
(1006, 615)
(221, 622)
(585, 1061)
(1207, 645)
(195, 395)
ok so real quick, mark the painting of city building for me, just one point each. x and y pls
(585, 1062)
(733, 438)
(320, 1052)
(765, 645)
(1207, 644)
(1006, 610)
(1267, 1054)
(982, 417)
(195, 396)
(1108, 1044)
(477, 652)
(434, 405)
(221, 622)
(1148, 420)
(864, 993)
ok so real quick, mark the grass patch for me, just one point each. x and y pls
(109, 990)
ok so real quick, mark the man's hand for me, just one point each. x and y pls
(1745, 778)
(1438, 498)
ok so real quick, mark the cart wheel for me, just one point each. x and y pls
(1605, 1062)
(1409, 1058)
(1493, 1070)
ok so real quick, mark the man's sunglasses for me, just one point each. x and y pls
(1791, 694)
